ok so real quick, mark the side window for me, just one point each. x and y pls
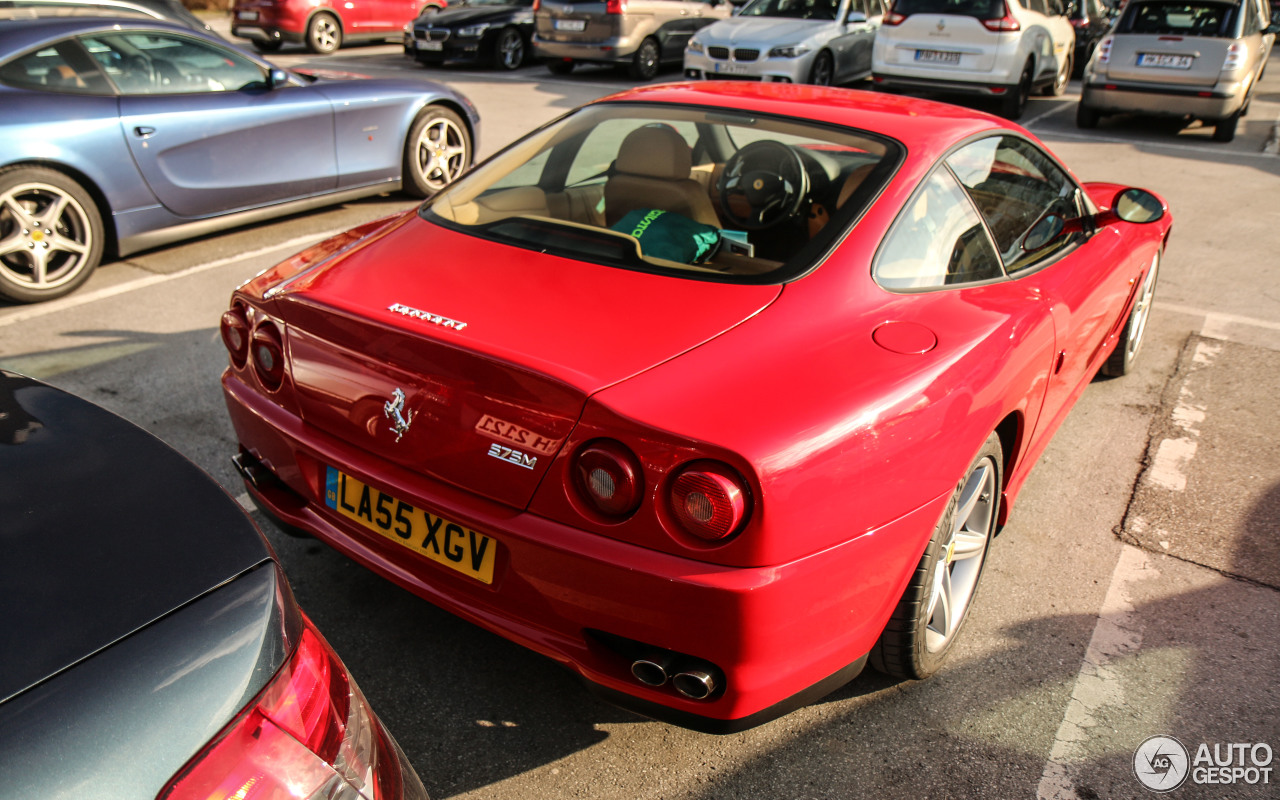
(61, 68)
(151, 63)
(938, 240)
(1014, 184)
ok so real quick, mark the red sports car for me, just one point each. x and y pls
(709, 392)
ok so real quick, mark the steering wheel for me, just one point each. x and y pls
(762, 184)
(139, 71)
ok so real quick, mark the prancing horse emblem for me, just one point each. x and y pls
(392, 409)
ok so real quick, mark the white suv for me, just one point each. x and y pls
(996, 48)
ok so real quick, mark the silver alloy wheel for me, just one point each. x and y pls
(823, 70)
(1141, 311)
(46, 240)
(511, 49)
(324, 34)
(959, 564)
(441, 153)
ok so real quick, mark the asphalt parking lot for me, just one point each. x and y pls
(1135, 592)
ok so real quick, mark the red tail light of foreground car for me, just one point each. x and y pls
(309, 734)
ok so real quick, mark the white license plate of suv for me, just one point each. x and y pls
(937, 57)
(1164, 60)
(571, 24)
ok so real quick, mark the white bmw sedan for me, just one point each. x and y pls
(789, 41)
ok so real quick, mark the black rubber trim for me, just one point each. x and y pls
(702, 724)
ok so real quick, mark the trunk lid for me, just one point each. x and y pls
(916, 41)
(485, 351)
(1168, 59)
(558, 21)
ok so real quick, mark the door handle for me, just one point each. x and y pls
(143, 131)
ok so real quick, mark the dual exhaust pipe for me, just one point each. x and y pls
(693, 680)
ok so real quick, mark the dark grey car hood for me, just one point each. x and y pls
(103, 530)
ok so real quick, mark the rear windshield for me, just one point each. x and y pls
(1179, 19)
(981, 9)
(714, 194)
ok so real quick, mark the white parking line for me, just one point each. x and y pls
(74, 300)
(1117, 635)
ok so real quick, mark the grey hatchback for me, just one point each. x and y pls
(1182, 58)
(640, 35)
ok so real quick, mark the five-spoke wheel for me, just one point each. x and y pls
(50, 234)
(928, 618)
(437, 151)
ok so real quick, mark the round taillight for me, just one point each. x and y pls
(608, 477)
(268, 355)
(235, 335)
(709, 501)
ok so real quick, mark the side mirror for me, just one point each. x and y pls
(277, 78)
(856, 18)
(1137, 205)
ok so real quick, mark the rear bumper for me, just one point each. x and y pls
(968, 88)
(1117, 97)
(608, 51)
(781, 635)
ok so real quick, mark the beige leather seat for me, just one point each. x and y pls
(652, 171)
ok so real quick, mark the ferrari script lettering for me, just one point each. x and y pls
(427, 316)
(513, 456)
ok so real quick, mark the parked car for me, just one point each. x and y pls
(324, 25)
(793, 41)
(1002, 49)
(874, 312)
(495, 32)
(640, 35)
(1091, 19)
(171, 10)
(152, 645)
(123, 136)
(1200, 59)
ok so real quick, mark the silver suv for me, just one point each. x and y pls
(1002, 49)
(640, 35)
(1177, 58)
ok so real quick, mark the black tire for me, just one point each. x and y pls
(911, 647)
(823, 71)
(267, 45)
(1015, 101)
(437, 151)
(1060, 80)
(1120, 362)
(560, 66)
(1086, 117)
(59, 251)
(508, 49)
(644, 64)
(1225, 130)
(324, 34)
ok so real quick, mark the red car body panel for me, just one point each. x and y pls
(849, 440)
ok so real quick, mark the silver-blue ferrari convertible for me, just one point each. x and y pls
(121, 135)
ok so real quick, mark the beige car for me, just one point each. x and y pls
(640, 35)
(1180, 58)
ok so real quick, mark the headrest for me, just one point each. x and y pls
(655, 151)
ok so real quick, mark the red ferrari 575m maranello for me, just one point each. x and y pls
(709, 392)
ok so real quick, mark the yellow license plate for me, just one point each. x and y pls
(444, 542)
